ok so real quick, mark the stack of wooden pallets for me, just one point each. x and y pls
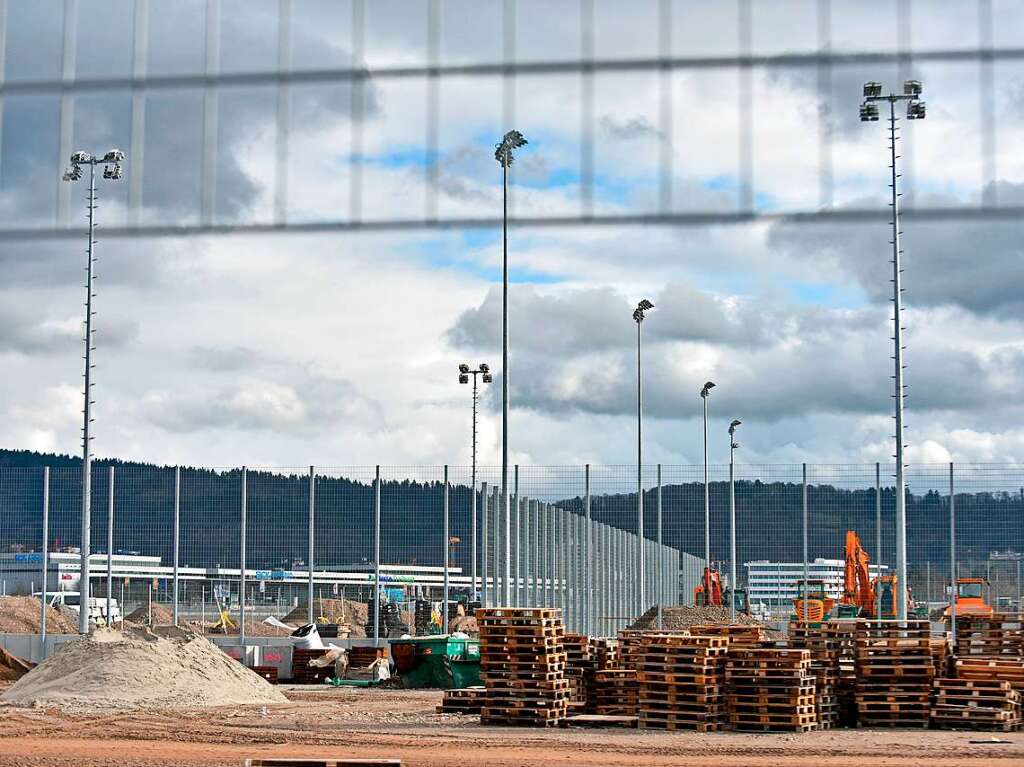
(303, 673)
(523, 664)
(606, 653)
(844, 635)
(579, 670)
(999, 635)
(682, 683)
(615, 692)
(464, 700)
(894, 673)
(825, 652)
(770, 689)
(966, 704)
(992, 669)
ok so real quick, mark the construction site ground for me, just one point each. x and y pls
(328, 722)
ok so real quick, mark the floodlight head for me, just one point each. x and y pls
(915, 110)
(112, 172)
(503, 149)
(707, 388)
(488, 378)
(484, 368)
(912, 88)
(868, 113)
(73, 173)
(463, 368)
(872, 89)
(735, 445)
(80, 157)
(463, 378)
(645, 305)
(733, 425)
(113, 156)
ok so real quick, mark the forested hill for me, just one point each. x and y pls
(769, 515)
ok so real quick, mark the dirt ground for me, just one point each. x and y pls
(326, 722)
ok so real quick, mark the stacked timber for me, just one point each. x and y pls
(464, 700)
(999, 635)
(825, 649)
(941, 657)
(894, 673)
(615, 692)
(523, 664)
(992, 669)
(682, 683)
(966, 704)
(770, 689)
(738, 635)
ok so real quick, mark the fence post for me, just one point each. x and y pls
(447, 558)
(552, 553)
(588, 589)
(376, 556)
(659, 563)
(517, 541)
(177, 545)
(474, 592)
(241, 569)
(878, 535)
(110, 543)
(804, 502)
(952, 560)
(559, 561)
(311, 542)
(483, 540)
(46, 560)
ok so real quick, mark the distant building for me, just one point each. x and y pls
(777, 583)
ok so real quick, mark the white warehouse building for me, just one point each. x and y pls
(777, 583)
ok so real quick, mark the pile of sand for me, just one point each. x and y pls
(12, 667)
(140, 669)
(20, 615)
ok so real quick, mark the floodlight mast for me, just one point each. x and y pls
(464, 374)
(869, 113)
(733, 445)
(641, 606)
(112, 171)
(503, 153)
(705, 392)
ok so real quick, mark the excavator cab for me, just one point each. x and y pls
(970, 597)
(741, 601)
(886, 594)
(812, 604)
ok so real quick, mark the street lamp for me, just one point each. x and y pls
(869, 113)
(503, 154)
(112, 171)
(464, 374)
(638, 317)
(704, 393)
(733, 444)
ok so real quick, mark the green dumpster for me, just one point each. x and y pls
(437, 661)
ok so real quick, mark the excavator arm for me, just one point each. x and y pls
(857, 588)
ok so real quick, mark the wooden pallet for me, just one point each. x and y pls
(966, 704)
(770, 689)
(465, 700)
(1000, 635)
(682, 682)
(894, 673)
(615, 692)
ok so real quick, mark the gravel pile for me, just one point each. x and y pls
(20, 615)
(140, 669)
(684, 617)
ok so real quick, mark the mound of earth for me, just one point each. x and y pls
(162, 616)
(12, 667)
(140, 669)
(20, 615)
(684, 617)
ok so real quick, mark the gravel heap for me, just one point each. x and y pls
(684, 617)
(140, 669)
(162, 616)
(20, 615)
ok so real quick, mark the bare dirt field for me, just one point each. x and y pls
(321, 722)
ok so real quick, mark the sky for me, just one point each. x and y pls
(342, 349)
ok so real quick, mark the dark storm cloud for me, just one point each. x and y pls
(976, 265)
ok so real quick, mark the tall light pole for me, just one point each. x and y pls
(503, 154)
(112, 170)
(733, 444)
(869, 113)
(705, 392)
(464, 373)
(638, 317)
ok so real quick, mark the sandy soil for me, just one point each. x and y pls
(321, 722)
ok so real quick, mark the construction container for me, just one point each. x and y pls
(437, 661)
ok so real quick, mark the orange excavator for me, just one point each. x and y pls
(970, 598)
(861, 592)
(708, 593)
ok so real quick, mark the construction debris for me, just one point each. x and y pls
(12, 667)
(523, 663)
(139, 669)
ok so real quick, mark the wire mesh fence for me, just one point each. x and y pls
(412, 548)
